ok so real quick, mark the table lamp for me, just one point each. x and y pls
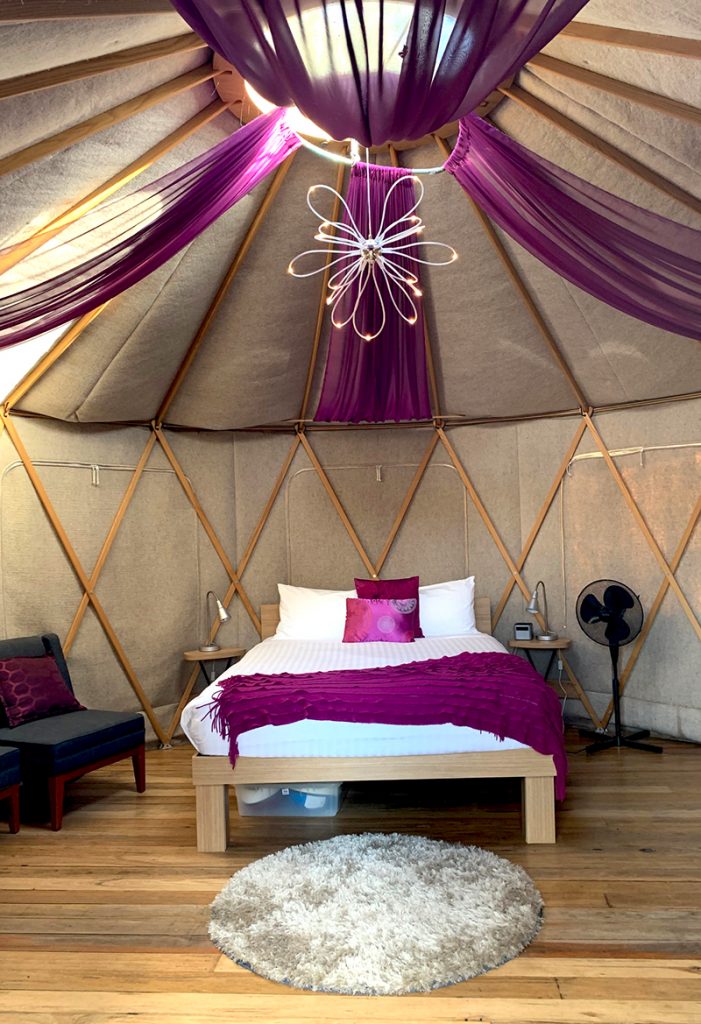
(223, 617)
(533, 609)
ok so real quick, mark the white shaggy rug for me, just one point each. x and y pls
(376, 914)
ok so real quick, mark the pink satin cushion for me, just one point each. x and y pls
(368, 620)
(32, 688)
(400, 590)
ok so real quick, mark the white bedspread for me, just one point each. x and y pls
(342, 739)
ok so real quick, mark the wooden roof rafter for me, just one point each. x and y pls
(615, 87)
(105, 119)
(649, 42)
(117, 60)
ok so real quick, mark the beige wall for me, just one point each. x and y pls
(162, 562)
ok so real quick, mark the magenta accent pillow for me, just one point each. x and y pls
(400, 590)
(32, 688)
(368, 620)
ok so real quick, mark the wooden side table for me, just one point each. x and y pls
(228, 654)
(553, 646)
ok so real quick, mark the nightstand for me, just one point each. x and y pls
(553, 646)
(228, 654)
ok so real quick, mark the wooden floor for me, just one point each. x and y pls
(106, 921)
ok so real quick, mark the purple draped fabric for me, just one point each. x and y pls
(384, 379)
(373, 70)
(639, 262)
(127, 239)
(492, 692)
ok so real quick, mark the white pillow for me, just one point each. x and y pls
(308, 614)
(448, 609)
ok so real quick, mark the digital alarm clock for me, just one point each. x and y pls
(523, 631)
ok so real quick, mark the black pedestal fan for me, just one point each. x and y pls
(611, 615)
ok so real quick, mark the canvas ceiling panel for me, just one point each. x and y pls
(556, 144)
(31, 197)
(39, 115)
(490, 358)
(664, 143)
(36, 45)
(629, 137)
(682, 19)
(252, 367)
(614, 357)
(134, 383)
(661, 74)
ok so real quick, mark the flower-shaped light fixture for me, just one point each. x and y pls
(381, 259)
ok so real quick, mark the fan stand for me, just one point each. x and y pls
(618, 739)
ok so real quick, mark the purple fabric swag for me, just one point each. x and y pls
(643, 264)
(341, 64)
(124, 240)
(384, 379)
(492, 692)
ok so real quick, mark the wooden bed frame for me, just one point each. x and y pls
(212, 775)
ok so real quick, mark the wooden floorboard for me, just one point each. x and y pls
(105, 922)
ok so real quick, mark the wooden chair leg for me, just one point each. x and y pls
(139, 761)
(57, 785)
(13, 797)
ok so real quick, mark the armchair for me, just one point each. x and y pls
(63, 747)
(9, 783)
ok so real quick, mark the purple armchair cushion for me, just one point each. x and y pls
(406, 589)
(368, 620)
(32, 688)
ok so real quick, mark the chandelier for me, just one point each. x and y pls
(382, 259)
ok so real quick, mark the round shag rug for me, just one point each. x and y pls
(376, 914)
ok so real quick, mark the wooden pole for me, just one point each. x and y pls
(651, 177)
(80, 69)
(523, 293)
(23, 249)
(631, 93)
(231, 273)
(83, 579)
(38, 10)
(107, 119)
(650, 42)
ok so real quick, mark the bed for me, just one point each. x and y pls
(213, 773)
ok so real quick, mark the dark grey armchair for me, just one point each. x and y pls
(55, 750)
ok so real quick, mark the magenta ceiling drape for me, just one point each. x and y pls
(643, 264)
(123, 241)
(384, 379)
(377, 70)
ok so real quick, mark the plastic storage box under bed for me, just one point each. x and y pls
(303, 800)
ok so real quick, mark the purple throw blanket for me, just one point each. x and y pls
(496, 693)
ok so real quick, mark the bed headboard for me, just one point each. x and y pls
(270, 616)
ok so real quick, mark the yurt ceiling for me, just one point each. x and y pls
(614, 99)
